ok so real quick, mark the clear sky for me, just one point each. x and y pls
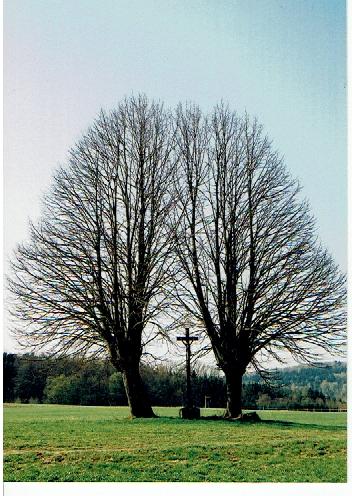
(280, 60)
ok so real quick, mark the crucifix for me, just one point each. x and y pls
(187, 340)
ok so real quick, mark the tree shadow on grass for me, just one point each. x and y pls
(275, 423)
(285, 423)
(247, 419)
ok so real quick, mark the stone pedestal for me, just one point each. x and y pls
(189, 413)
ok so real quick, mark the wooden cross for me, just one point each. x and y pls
(187, 340)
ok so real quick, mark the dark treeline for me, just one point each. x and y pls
(39, 379)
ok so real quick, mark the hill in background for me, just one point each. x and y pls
(39, 379)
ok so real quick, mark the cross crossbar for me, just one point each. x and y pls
(187, 339)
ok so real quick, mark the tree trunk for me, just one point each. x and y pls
(234, 394)
(138, 400)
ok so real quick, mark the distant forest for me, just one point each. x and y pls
(39, 379)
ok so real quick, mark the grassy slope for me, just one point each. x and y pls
(72, 443)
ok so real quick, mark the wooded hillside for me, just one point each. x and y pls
(39, 379)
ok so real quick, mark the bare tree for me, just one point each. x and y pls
(251, 270)
(91, 277)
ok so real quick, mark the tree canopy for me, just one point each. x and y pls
(91, 277)
(251, 269)
(184, 211)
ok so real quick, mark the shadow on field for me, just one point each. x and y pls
(253, 418)
(275, 423)
(285, 423)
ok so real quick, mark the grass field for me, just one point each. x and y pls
(81, 444)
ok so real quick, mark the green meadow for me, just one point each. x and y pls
(102, 444)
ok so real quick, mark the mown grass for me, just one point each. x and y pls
(84, 444)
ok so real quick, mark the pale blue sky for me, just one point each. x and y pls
(281, 60)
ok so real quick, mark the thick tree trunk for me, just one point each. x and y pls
(138, 399)
(234, 394)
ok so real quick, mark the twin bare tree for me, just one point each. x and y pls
(157, 210)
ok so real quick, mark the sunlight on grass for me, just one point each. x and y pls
(73, 443)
